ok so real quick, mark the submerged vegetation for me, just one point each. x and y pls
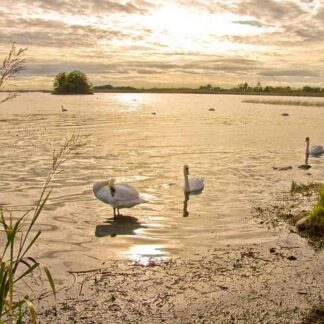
(286, 102)
(15, 264)
(75, 82)
(305, 189)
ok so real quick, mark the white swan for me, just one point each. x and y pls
(120, 195)
(192, 185)
(315, 150)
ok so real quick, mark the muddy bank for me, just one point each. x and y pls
(269, 283)
(287, 210)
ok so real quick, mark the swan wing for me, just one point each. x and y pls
(125, 192)
(102, 191)
(196, 184)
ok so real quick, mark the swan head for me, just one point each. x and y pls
(111, 183)
(186, 169)
(307, 139)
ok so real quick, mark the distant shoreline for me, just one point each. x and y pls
(184, 91)
(214, 93)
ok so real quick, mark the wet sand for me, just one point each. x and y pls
(274, 282)
(279, 282)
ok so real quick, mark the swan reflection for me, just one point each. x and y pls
(126, 225)
(186, 199)
(185, 205)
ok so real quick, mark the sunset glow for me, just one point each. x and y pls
(168, 43)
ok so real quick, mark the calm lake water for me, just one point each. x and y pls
(233, 148)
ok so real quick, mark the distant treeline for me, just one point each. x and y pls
(242, 88)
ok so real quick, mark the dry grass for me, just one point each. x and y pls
(12, 64)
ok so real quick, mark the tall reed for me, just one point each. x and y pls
(15, 264)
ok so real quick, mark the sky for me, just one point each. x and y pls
(162, 43)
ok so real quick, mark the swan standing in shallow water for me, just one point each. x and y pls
(192, 185)
(306, 166)
(119, 195)
(315, 150)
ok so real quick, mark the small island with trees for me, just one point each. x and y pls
(75, 82)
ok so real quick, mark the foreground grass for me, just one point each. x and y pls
(19, 238)
(313, 223)
(286, 102)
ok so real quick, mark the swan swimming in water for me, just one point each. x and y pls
(119, 195)
(192, 185)
(315, 149)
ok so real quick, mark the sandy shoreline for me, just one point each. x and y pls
(268, 283)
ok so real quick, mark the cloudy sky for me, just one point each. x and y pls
(163, 43)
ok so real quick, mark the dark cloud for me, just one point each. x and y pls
(290, 73)
(119, 67)
(267, 10)
(320, 14)
(51, 69)
(85, 7)
(254, 23)
(148, 71)
(41, 32)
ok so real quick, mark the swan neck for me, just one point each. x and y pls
(307, 147)
(186, 182)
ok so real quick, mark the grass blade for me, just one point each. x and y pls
(49, 278)
(31, 269)
(32, 311)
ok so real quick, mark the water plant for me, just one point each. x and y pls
(286, 102)
(15, 264)
(304, 189)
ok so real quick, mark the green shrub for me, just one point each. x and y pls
(315, 219)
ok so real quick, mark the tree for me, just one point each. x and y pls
(243, 86)
(11, 65)
(75, 82)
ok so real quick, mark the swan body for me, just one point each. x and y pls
(316, 150)
(192, 185)
(121, 195)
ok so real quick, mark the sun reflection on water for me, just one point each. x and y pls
(146, 254)
(129, 101)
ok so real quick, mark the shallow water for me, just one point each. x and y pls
(233, 148)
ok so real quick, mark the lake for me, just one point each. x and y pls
(234, 148)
